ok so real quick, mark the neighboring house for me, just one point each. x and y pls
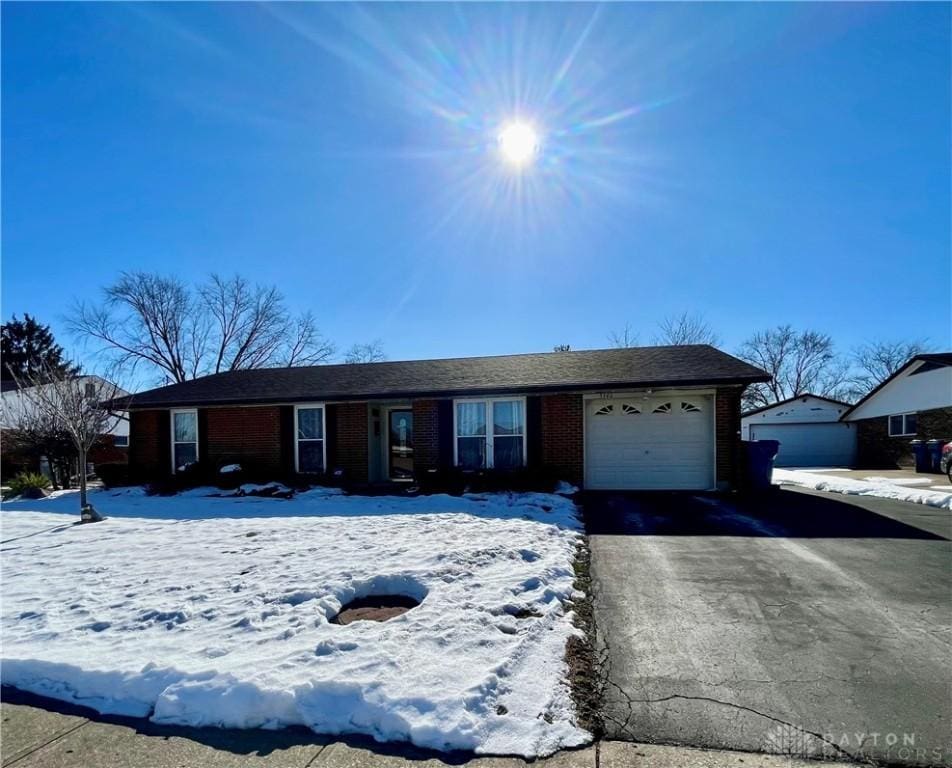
(112, 447)
(913, 403)
(652, 417)
(808, 428)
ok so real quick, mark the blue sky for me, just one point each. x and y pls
(759, 164)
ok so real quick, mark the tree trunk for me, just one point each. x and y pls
(82, 478)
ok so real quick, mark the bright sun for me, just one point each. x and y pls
(519, 143)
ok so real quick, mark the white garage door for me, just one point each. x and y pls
(810, 445)
(650, 443)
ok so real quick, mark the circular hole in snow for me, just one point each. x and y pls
(379, 599)
(374, 608)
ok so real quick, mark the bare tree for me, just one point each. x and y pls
(684, 329)
(225, 324)
(366, 353)
(798, 361)
(75, 405)
(878, 360)
(624, 338)
(33, 433)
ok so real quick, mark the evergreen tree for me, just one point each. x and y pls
(28, 348)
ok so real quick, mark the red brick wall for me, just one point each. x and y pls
(727, 436)
(563, 419)
(875, 449)
(347, 449)
(426, 435)
(247, 436)
(149, 456)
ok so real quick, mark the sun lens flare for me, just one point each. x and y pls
(518, 143)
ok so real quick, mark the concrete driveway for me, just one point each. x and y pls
(799, 622)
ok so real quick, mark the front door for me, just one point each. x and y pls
(400, 444)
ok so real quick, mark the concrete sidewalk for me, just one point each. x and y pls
(35, 737)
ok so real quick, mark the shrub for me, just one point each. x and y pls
(28, 481)
(193, 476)
(113, 474)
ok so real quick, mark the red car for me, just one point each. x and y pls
(945, 465)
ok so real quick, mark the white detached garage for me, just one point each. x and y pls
(650, 442)
(809, 431)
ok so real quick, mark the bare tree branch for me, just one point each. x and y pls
(798, 361)
(365, 353)
(225, 324)
(307, 346)
(879, 360)
(623, 339)
(684, 329)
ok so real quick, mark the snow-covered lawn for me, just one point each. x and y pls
(880, 487)
(215, 611)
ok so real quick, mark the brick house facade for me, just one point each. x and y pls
(541, 432)
(260, 438)
(876, 449)
(915, 403)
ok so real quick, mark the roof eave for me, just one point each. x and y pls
(458, 392)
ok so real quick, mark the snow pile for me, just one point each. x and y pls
(203, 610)
(880, 487)
(229, 468)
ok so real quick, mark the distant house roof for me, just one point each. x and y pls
(935, 359)
(14, 401)
(550, 371)
(790, 400)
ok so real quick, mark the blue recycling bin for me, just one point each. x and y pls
(760, 460)
(934, 448)
(921, 452)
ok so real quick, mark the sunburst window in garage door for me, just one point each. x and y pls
(629, 410)
(605, 410)
(689, 408)
(663, 408)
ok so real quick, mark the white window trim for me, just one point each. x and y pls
(174, 442)
(904, 416)
(489, 436)
(297, 454)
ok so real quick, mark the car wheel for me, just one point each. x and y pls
(948, 471)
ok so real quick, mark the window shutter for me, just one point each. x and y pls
(330, 436)
(287, 439)
(165, 442)
(444, 414)
(203, 457)
(534, 431)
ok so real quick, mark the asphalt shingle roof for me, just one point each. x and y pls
(509, 374)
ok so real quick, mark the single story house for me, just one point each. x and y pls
(913, 403)
(640, 418)
(808, 428)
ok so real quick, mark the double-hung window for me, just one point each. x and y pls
(309, 439)
(490, 433)
(902, 425)
(184, 439)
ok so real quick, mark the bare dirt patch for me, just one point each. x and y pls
(374, 608)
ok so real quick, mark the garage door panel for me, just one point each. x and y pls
(810, 445)
(650, 443)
